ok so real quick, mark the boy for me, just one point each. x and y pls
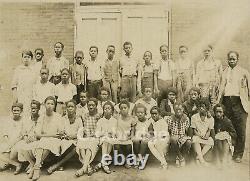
(39, 63)
(57, 63)
(167, 105)
(180, 142)
(111, 78)
(124, 97)
(166, 72)
(129, 72)
(77, 70)
(94, 70)
(82, 108)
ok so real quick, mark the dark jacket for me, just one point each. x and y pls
(165, 109)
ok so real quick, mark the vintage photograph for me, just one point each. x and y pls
(130, 90)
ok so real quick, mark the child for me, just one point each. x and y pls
(203, 129)
(87, 143)
(77, 70)
(94, 70)
(158, 145)
(147, 76)
(225, 135)
(141, 133)
(10, 145)
(106, 131)
(124, 97)
(43, 88)
(180, 142)
(129, 72)
(39, 62)
(111, 78)
(166, 72)
(57, 63)
(167, 105)
(23, 80)
(64, 92)
(147, 100)
(104, 97)
(72, 125)
(185, 73)
(82, 107)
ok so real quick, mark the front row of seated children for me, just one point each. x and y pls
(40, 134)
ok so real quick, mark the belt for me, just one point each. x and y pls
(130, 76)
(93, 81)
(232, 96)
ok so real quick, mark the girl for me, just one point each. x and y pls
(158, 145)
(141, 133)
(124, 97)
(10, 145)
(167, 105)
(147, 74)
(50, 130)
(104, 97)
(82, 107)
(225, 135)
(72, 125)
(106, 131)
(87, 143)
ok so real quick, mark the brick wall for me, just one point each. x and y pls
(28, 26)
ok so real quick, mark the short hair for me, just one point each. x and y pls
(79, 52)
(172, 89)
(83, 91)
(124, 102)
(110, 46)
(40, 50)
(60, 44)
(235, 52)
(123, 95)
(195, 89)
(155, 108)
(65, 69)
(140, 106)
(127, 43)
(17, 104)
(219, 105)
(93, 100)
(183, 46)
(147, 87)
(151, 55)
(111, 105)
(205, 102)
(37, 103)
(44, 68)
(27, 52)
(71, 101)
(93, 47)
(105, 89)
(208, 46)
(50, 98)
(164, 45)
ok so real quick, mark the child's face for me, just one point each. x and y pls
(58, 49)
(164, 52)
(71, 108)
(50, 105)
(233, 60)
(124, 99)
(207, 52)
(155, 115)
(171, 96)
(111, 52)
(65, 76)
(91, 106)
(34, 109)
(183, 52)
(44, 74)
(83, 98)
(203, 110)
(194, 95)
(147, 57)
(16, 111)
(107, 110)
(26, 59)
(148, 92)
(127, 49)
(219, 113)
(38, 55)
(124, 109)
(93, 52)
(178, 109)
(140, 113)
(104, 95)
(79, 57)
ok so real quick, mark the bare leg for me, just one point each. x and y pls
(5, 157)
(158, 151)
(197, 149)
(205, 149)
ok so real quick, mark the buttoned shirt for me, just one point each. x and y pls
(55, 65)
(178, 126)
(166, 69)
(65, 92)
(111, 70)
(202, 126)
(89, 124)
(43, 90)
(94, 70)
(129, 65)
(232, 87)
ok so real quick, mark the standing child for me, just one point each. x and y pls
(225, 135)
(82, 107)
(147, 100)
(77, 70)
(104, 97)
(158, 145)
(124, 97)
(167, 104)
(39, 62)
(129, 72)
(94, 70)
(111, 78)
(23, 80)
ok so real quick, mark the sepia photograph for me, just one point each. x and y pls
(129, 90)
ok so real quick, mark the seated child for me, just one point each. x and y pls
(167, 104)
(225, 135)
(159, 143)
(104, 97)
(124, 97)
(82, 107)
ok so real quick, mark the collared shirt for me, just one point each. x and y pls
(72, 128)
(105, 126)
(89, 124)
(130, 111)
(232, 85)
(77, 74)
(55, 65)
(65, 92)
(148, 105)
(111, 70)
(202, 126)
(129, 65)
(81, 110)
(43, 90)
(171, 105)
(148, 70)
(37, 67)
(160, 128)
(94, 70)
(178, 126)
(101, 104)
(166, 68)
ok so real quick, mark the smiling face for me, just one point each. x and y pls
(38, 55)
(91, 106)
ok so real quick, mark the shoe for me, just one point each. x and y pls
(177, 162)
(18, 169)
(164, 166)
(237, 160)
(106, 169)
(182, 162)
(97, 167)
(80, 172)
(30, 175)
(3, 167)
(51, 169)
(36, 174)
(90, 171)
(127, 166)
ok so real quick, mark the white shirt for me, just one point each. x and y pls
(55, 65)
(129, 65)
(95, 69)
(166, 68)
(42, 91)
(148, 105)
(232, 87)
(65, 92)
